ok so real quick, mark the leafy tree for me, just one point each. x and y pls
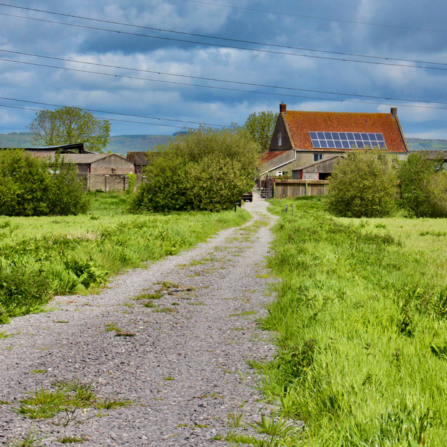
(364, 184)
(261, 127)
(28, 187)
(69, 125)
(205, 170)
(423, 186)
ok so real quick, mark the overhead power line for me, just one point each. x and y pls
(259, 50)
(327, 19)
(219, 37)
(218, 80)
(110, 119)
(114, 113)
(279, 95)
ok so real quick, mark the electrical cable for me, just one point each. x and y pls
(258, 50)
(114, 113)
(216, 37)
(109, 119)
(220, 80)
(291, 14)
(279, 95)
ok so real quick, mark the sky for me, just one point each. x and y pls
(382, 30)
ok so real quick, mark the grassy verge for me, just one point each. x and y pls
(361, 318)
(44, 256)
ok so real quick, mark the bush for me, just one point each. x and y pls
(28, 188)
(364, 184)
(132, 183)
(204, 170)
(423, 186)
(67, 191)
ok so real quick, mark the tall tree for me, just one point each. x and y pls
(69, 125)
(261, 127)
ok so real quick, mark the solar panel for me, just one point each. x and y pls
(347, 140)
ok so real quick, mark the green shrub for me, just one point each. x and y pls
(132, 183)
(423, 186)
(28, 187)
(364, 184)
(25, 184)
(67, 196)
(22, 291)
(204, 170)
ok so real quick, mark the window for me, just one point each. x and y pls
(347, 140)
(279, 139)
(318, 157)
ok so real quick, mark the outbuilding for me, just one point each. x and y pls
(320, 170)
(99, 163)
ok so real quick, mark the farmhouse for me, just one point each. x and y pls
(302, 139)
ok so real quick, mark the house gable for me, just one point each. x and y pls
(281, 140)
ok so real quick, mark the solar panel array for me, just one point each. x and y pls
(347, 140)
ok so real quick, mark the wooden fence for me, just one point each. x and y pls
(296, 188)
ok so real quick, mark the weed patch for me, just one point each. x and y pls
(245, 313)
(360, 318)
(65, 396)
(43, 257)
(71, 440)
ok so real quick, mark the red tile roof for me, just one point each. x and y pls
(269, 156)
(301, 123)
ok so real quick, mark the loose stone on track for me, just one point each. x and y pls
(185, 367)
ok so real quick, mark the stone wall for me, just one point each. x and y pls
(108, 182)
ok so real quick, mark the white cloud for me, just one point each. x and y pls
(222, 106)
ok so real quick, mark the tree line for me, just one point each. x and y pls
(374, 184)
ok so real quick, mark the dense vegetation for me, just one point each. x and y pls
(45, 256)
(363, 185)
(423, 186)
(204, 170)
(371, 184)
(69, 125)
(261, 127)
(361, 323)
(29, 188)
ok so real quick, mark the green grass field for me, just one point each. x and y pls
(361, 324)
(45, 256)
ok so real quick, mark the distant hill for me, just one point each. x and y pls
(419, 144)
(121, 144)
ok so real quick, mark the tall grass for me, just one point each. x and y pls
(45, 256)
(361, 317)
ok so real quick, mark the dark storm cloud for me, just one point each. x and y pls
(223, 106)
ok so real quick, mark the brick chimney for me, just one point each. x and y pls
(394, 111)
(282, 108)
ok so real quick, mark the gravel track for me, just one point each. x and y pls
(198, 339)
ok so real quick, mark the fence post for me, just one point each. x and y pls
(305, 185)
